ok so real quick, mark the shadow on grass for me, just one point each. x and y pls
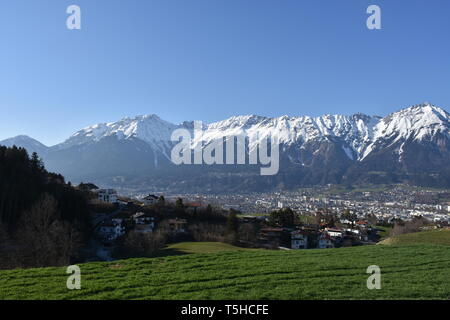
(166, 252)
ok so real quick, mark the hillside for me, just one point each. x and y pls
(408, 272)
(44, 221)
(438, 237)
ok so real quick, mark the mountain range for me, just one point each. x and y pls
(408, 146)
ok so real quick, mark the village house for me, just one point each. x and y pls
(143, 218)
(150, 199)
(143, 222)
(107, 195)
(334, 233)
(299, 240)
(111, 230)
(324, 241)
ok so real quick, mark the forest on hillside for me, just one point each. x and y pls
(43, 220)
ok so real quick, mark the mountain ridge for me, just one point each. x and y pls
(323, 149)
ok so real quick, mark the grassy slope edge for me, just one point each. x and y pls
(439, 237)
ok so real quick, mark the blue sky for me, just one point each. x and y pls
(211, 59)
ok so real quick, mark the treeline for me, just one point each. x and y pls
(403, 227)
(43, 219)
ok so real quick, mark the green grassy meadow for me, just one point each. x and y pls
(218, 271)
(440, 237)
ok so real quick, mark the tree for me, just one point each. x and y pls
(44, 238)
(161, 201)
(36, 163)
(330, 220)
(372, 219)
(282, 218)
(138, 243)
(5, 252)
(232, 228)
(401, 227)
(179, 203)
(248, 232)
(23, 184)
(206, 231)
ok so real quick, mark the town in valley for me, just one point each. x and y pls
(327, 216)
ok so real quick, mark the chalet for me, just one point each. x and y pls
(107, 195)
(150, 199)
(143, 222)
(142, 218)
(299, 240)
(111, 230)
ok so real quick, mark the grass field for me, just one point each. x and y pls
(440, 237)
(408, 272)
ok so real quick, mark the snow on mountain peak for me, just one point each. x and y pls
(359, 132)
(149, 128)
(26, 142)
(418, 121)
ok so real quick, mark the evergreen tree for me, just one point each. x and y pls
(37, 164)
(179, 203)
(161, 201)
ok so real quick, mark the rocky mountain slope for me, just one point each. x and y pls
(411, 145)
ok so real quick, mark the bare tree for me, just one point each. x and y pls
(4, 242)
(248, 232)
(145, 243)
(204, 231)
(408, 227)
(45, 239)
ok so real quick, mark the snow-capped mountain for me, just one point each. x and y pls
(28, 143)
(402, 146)
(149, 128)
(417, 123)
